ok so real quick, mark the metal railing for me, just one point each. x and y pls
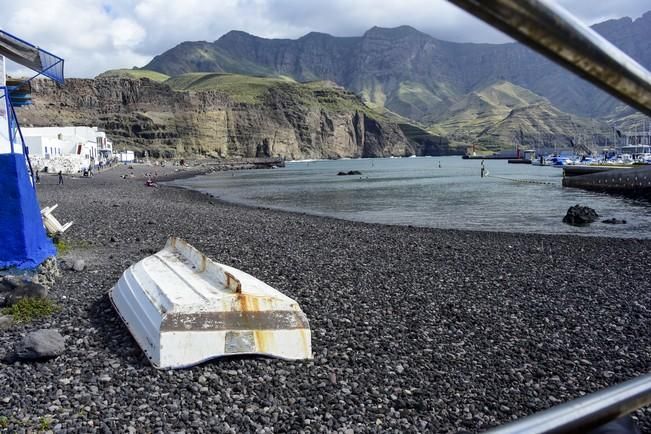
(557, 34)
(585, 413)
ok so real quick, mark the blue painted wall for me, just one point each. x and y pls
(23, 241)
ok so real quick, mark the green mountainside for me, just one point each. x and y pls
(467, 118)
(542, 125)
(503, 115)
(442, 85)
(240, 88)
(135, 73)
(407, 71)
(484, 117)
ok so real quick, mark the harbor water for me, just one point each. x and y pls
(438, 192)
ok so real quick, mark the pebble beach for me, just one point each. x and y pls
(413, 329)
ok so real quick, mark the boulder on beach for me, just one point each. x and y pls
(614, 221)
(6, 322)
(8, 283)
(17, 289)
(47, 273)
(41, 344)
(578, 215)
(79, 265)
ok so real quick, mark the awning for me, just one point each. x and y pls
(30, 56)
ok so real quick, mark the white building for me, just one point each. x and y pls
(46, 147)
(104, 146)
(126, 157)
(69, 149)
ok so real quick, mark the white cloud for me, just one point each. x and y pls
(126, 33)
(83, 32)
(96, 35)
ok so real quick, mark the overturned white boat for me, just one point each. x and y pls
(182, 308)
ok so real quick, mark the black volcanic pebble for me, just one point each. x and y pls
(413, 330)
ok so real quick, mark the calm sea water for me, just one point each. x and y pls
(416, 191)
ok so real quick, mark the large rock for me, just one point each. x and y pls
(25, 289)
(47, 273)
(6, 322)
(8, 283)
(79, 265)
(614, 221)
(578, 215)
(41, 344)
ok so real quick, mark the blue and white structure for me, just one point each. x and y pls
(23, 241)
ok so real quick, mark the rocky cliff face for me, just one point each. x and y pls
(141, 114)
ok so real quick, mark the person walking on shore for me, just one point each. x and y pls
(60, 178)
(38, 178)
(482, 168)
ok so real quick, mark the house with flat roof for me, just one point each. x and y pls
(69, 149)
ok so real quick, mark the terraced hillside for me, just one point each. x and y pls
(225, 115)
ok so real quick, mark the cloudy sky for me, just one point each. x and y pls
(96, 35)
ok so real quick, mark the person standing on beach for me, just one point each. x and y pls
(482, 168)
(38, 178)
(60, 178)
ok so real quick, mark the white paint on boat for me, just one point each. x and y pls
(183, 308)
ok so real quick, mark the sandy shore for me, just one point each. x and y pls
(413, 329)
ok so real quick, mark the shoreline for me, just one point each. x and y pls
(414, 329)
(234, 202)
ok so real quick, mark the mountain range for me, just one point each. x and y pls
(429, 81)
(390, 92)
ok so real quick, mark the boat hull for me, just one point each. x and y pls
(183, 309)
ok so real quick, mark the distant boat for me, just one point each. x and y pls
(556, 160)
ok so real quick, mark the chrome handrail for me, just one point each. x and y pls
(587, 412)
(557, 34)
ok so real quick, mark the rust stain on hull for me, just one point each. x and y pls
(203, 310)
(232, 283)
